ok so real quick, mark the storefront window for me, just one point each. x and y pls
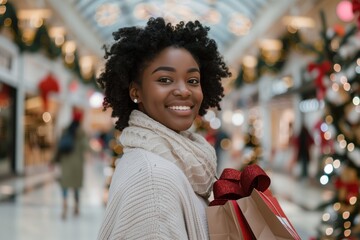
(7, 129)
(39, 133)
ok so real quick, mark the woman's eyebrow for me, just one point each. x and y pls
(171, 69)
(164, 68)
(193, 70)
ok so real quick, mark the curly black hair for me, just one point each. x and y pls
(135, 47)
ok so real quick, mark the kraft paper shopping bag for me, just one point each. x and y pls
(266, 218)
(225, 219)
(226, 222)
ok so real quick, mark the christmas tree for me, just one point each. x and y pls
(252, 143)
(338, 87)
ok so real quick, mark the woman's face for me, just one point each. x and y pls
(170, 90)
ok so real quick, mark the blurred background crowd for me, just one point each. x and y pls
(292, 106)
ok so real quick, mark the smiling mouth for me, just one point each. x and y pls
(180, 108)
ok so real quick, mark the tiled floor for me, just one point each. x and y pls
(35, 214)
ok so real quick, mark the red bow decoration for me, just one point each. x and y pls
(233, 184)
(352, 188)
(322, 68)
(77, 114)
(356, 9)
(47, 85)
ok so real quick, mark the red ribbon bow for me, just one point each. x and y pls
(47, 85)
(356, 9)
(322, 68)
(234, 184)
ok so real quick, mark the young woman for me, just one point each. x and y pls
(157, 79)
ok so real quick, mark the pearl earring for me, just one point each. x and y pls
(135, 100)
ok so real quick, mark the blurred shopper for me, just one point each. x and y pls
(71, 161)
(157, 79)
(302, 145)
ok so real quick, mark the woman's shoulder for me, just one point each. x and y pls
(141, 165)
(147, 161)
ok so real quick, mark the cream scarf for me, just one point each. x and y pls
(189, 151)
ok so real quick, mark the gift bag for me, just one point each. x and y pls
(244, 208)
(226, 222)
(266, 218)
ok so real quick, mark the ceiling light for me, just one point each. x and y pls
(57, 31)
(239, 24)
(33, 18)
(107, 14)
(2, 9)
(250, 61)
(69, 47)
(96, 100)
(86, 66)
(271, 44)
(31, 13)
(212, 16)
(169, 11)
(297, 22)
(58, 34)
(237, 118)
(144, 11)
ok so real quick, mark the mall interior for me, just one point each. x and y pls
(292, 106)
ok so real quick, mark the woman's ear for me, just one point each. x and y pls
(133, 92)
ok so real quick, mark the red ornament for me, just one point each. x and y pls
(322, 69)
(339, 29)
(47, 85)
(351, 188)
(344, 11)
(356, 9)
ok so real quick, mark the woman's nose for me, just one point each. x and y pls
(182, 90)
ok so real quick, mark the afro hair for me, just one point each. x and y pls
(135, 47)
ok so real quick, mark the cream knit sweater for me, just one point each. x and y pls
(151, 198)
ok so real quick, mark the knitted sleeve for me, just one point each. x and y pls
(145, 202)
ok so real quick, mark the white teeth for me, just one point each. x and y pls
(181, 108)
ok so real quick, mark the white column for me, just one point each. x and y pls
(19, 132)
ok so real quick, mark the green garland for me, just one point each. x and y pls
(289, 41)
(41, 42)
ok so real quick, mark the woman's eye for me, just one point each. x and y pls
(194, 81)
(164, 80)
